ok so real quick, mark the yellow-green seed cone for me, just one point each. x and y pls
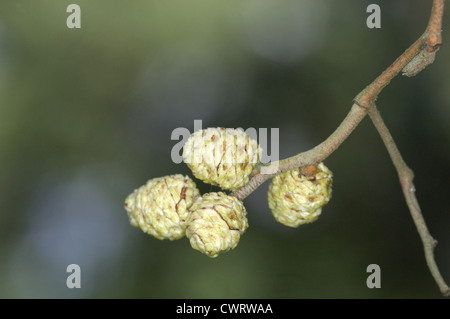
(216, 223)
(221, 157)
(161, 207)
(297, 198)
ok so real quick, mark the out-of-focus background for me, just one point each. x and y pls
(86, 116)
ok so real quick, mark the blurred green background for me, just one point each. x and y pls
(86, 117)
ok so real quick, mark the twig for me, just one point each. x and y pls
(315, 155)
(412, 61)
(429, 41)
(406, 176)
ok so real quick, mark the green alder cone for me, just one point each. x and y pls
(161, 206)
(296, 198)
(216, 223)
(222, 157)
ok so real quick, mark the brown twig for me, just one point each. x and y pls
(429, 41)
(412, 61)
(406, 176)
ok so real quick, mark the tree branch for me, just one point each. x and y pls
(429, 41)
(419, 55)
(406, 176)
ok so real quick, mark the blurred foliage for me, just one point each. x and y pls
(86, 116)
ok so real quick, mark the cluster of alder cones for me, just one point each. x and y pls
(171, 207)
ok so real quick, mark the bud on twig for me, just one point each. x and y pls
(418, 63)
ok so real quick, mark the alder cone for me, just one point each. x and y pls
(296, 197)
(161, 206)
(222, 157)
(216, 223)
